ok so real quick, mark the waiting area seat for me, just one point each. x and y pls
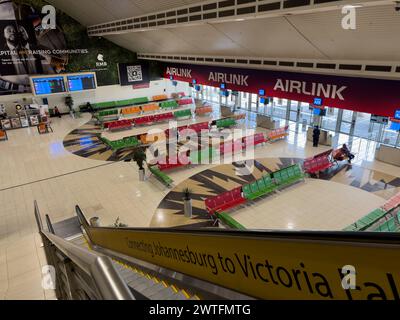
(288, 176)
(317, 163)
(183, 114)
(119, 125)
(388, 226)
(131, 110)
(226, 123)
(150, 108)
(186, 101)
(160, 97)
(172, 104)
(260, 187)
(227, 220)
(224, 201)
(278, 134)
(254, 140)
(392, 203)
(367, 221)
(3, 135)
(203, 110)
(107, 113)
(231, 147)
(168, 165)
(161, 176)
(128, 142)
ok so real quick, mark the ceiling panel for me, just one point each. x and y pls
(304, 36)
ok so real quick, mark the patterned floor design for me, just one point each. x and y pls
(224, 177)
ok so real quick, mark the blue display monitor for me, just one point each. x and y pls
(81, 82)
(262, 100)
(395, 126)
(261, 92)
(318, 101)
(194, 81)
(197, 88)
(317, 112)
(171, 78)
(397, 114)
(223, 86)
(48, 85)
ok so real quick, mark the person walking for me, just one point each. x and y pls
(316, 134)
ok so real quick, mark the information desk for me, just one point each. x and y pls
(325, 137)
(388, 154)
(267, 122)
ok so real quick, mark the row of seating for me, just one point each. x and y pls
(203, 156)
(184, 102)
(226, 123)
(172, 104)
(160, 97)
(168, 164)
(366, 221)
(120, 125)
(120, 103)
(392, 203)
(107, 113)
(3, 135)
(153, 118)
(242, 144)
(388, 226)
(203, 110)
(131, 110)
(271, 182)
(161, 176)
(122, 143)
(317, 164)
(261, 187)
(183, 114)
(277, 134)
(229, 221)
(224, 201)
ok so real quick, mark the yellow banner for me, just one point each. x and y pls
(266, 268)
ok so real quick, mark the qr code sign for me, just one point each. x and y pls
(134, 73)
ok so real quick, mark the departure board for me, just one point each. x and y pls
(81, 82)
(47, 86)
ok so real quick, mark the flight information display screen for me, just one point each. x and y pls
(81, 82)
(47, 86)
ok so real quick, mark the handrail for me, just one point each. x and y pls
(109, 283)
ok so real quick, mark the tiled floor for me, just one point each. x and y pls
(37, 167)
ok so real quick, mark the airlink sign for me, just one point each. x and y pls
(375, 96)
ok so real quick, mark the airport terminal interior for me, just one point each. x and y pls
(199, 150)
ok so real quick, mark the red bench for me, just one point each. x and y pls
(224, 201)
(255, 139)
(199, 126)
(163, 117)
(315, 165)
(230, 146)
(167, 165)
(118, 125)
(184, 102)
(392, 203)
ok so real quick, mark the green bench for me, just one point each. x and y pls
(229, 221)
(183, 114)
(387, 226)
(122, 143)
(288, 176)
(261, 187)
(106, 113)
(366, 221)
(226, 123)
(104, 105)
(161, 176)
(172, 104)
(129, 102)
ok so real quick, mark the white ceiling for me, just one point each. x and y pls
(317, 35)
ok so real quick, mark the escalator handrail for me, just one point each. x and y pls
(107, 280)
(342, 236)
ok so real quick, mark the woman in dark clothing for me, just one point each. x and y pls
(316, 134)
(348, 154)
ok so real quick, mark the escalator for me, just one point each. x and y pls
(180, 264)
